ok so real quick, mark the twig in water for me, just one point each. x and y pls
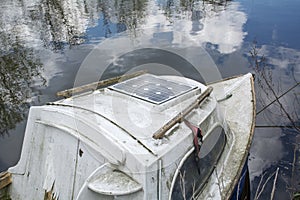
(260, 182)
(274, 184)
(257, 195)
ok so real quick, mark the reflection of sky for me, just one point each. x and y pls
(282, 57)
(263, 152)
(38, 23)
(274, 25)
(284, 64)
(104, 29)
(273, 22)
(224, 29)
(273, 146)
(204, 24)
(272, 149)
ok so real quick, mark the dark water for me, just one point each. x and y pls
(43, 44)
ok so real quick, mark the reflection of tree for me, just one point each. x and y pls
(61, 22)
(126, 14)
(65, 22)
(280, 109)
(192, 9)
(271, 94)
(131, 13)
(218, 25)
(56, 23)
(18, 68)
(218, 2)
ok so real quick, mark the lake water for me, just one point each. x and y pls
(45, 45)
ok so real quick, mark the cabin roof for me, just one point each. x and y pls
(122, 113)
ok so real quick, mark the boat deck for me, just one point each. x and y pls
(234, 100)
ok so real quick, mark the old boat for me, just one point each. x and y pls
(146, 137)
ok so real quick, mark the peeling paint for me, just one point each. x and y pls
(50, 195)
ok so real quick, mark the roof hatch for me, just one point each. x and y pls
(152, 89)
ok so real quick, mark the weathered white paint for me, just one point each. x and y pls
(74, 146)
(239, 112)
(109, 181)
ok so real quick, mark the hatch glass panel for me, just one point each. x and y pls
(152, 89)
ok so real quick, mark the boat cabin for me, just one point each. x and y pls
(147, 137)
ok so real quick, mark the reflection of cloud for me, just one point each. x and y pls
(281, 57)
(35, 24)
(51, 68)
(277, 71)
(263, 154)
(203, 24)
(19, 69)
(224, 28)
(53, 24)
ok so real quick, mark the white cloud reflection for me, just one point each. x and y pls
(281, 57)
(40, 24)
(221, 26)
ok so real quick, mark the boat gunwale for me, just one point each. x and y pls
(246, 154)
(251, 134)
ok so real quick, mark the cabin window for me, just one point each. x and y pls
(193, 174)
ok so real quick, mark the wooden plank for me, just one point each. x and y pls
(92, 86)
(5, 179)
(178, 118)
